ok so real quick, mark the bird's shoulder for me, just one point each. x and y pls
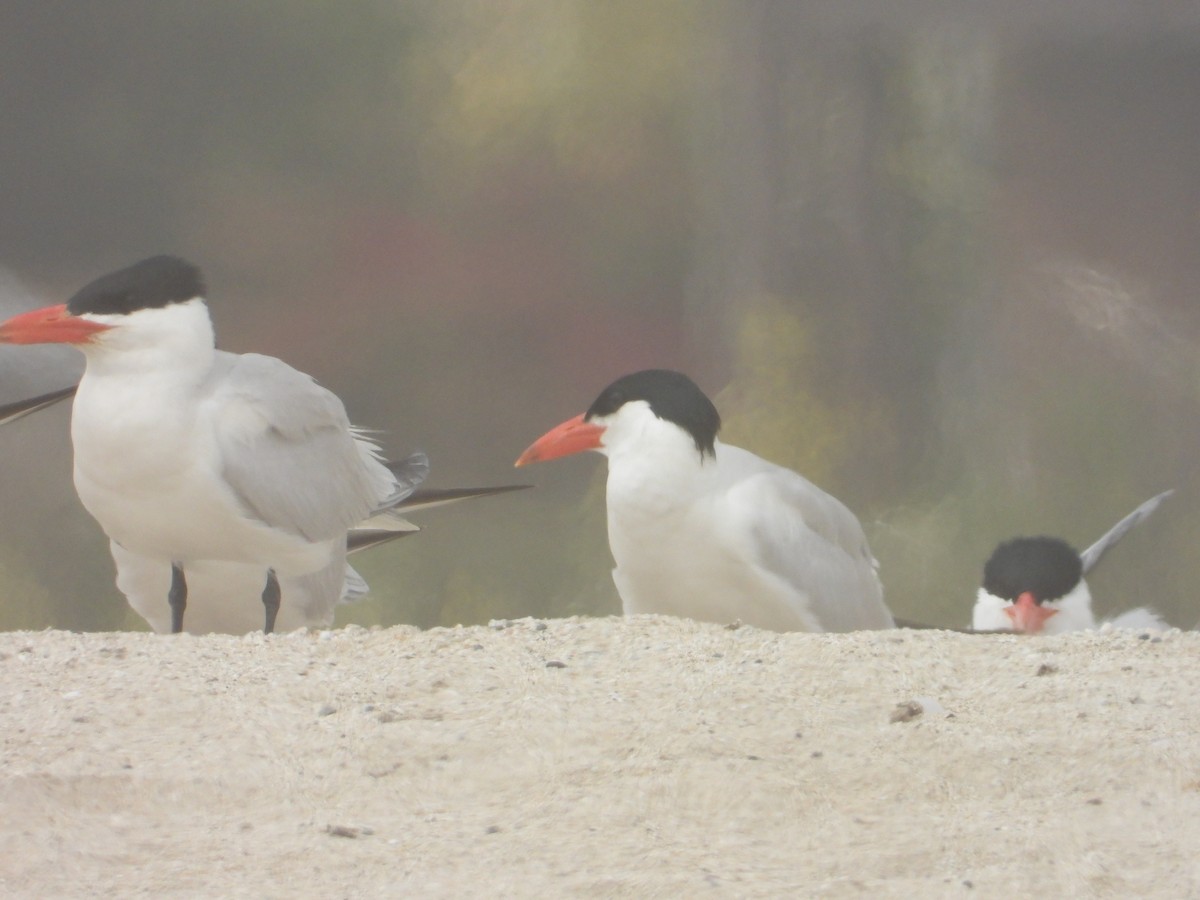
(772, 499)
(252, 393)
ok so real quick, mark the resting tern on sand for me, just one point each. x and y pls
(10, 412)
(221, 479)
(1036, 585)
(709, 531)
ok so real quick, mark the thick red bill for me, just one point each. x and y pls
(572, 436)
(1027, 616)
(50, 325)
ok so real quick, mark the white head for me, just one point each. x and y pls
(1033, 586)
(652, 412)
(146, 315)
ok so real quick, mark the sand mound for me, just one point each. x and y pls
(599, 758)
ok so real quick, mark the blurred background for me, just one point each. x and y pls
(945, 265)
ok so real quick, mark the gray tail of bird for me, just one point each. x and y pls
(10, 412)
(392, 522)
(1092, 554)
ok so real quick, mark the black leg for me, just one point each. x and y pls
(270, 598)
(177, 597)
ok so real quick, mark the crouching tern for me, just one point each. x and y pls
(1036, 585)
(709, 531)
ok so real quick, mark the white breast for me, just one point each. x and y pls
(147, 468)
(676, 553)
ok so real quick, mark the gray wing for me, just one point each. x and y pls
(10, 412)
(288, 452)
(1092, 554)
(810, 539)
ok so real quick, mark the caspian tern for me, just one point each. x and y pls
(10, 412)
(222, 480)
(1036, 585)
(709, 531)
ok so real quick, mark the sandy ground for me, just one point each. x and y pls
(599, 758)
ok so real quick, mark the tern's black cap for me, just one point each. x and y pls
(150, 284)
(1047, 567)
(672, 396)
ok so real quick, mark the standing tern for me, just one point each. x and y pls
(709, 531)
(10, 412)
(1035, 585)
(228, 484)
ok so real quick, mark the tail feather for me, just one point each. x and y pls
(1092, 554)
(428, 498)
(12, 411)
(390, 522)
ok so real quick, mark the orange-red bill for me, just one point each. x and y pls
(49, 325)
(1027, 616)
(572, 436)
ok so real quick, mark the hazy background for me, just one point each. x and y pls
(945, 265)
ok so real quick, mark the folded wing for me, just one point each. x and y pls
(289, 455)
(812, 541)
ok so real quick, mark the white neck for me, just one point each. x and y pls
(175, 343)
(653, 464)
(1074, 612)
(142, 378)
(634, 431)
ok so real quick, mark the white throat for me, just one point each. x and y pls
(635, 432)
(134, 416)
(655, 475)
(1073, 612)
(174, 342)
